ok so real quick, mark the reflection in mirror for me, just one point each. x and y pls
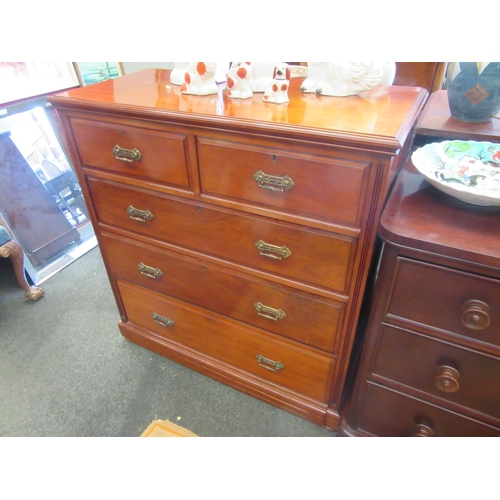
(40, 198)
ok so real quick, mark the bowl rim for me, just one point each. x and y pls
(423, 163)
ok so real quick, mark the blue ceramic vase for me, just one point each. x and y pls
(473, 90)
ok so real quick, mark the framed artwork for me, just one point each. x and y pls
(95, 72)
(23, 80)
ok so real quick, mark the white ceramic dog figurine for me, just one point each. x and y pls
(278, 90)
(177, 74)
(239, 80)
(199, 79)
(343, 79)
(262, 75)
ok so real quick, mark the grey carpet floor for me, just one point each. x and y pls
(66, 371)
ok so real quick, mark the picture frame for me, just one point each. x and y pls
(89, 73)
(25, 80)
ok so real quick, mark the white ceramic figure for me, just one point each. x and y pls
(389, 73)
(177, 74)
(262, 75)
(277, 92)
(221, 72)
(239, 80)
(314, 74)
(343, 79)
(199, 79)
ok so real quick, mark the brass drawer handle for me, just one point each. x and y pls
(140, 215)
(422, 430)
(150, 272)
(161, 320)
(475, 315)
(128, 155)
(447, 378)
(269, 364)
(270, 250)
(272, 182)
(269, 312)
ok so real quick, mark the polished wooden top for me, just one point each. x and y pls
(418, 215)
(436, 121)
(379, 119)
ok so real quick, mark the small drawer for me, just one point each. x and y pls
(303, 185)
(157, 156)
(313, 258)
(462, 376)
(446, 299)
(296, 316)
(296, 369)
(386, 413)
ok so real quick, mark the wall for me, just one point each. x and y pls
(132, 67)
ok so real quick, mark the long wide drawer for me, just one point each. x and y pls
(300, 184)
(296, 369)
(313, 258)
(460, 302)
(462, 376)
(153, 155)
(312, 321)
(386, 413)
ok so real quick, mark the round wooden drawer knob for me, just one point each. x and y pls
(421, 430)
(446, 379)
(475, 315)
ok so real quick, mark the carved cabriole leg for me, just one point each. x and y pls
(13, 250)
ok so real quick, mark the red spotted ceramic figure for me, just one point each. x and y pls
(199, 79)
(278, 90)
(239, 80)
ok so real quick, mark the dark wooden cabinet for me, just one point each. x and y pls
(237, 234)
(429, 75)
(430, 364)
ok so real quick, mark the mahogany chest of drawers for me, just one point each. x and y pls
(430, 364)
(238, 234)
(431, 356)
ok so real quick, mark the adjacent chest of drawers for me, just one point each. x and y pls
(430, 364)
(238, 234)
(431, 357)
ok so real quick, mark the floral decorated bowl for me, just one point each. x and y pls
(467, 170)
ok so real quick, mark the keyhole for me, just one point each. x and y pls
(273, 158)
(123, 132)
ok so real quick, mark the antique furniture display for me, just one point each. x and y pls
(238, 234)
(430, 364)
